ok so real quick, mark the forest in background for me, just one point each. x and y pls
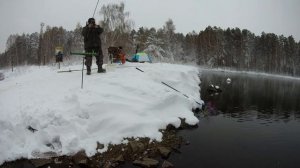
(213, 47)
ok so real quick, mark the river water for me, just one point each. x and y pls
(253, 122)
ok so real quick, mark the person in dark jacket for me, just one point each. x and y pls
(92, 44)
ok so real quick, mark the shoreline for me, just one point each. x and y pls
(141, 152)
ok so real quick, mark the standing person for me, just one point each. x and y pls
(122, 55)
(92, 43)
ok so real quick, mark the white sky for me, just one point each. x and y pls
(274, 16)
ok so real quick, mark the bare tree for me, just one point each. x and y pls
(117, 26)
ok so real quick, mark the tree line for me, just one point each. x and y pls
(243, 50)
(213, 47)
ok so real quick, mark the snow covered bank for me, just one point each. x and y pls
(121, 103)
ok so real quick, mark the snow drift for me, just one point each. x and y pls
(111, 106)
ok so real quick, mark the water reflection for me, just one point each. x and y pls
(250, 97)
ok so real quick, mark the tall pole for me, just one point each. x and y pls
(82, 73)
(12, 62)
(41, 41)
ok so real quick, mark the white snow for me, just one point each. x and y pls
(112, 106)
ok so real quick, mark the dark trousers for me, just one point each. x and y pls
(98, 55)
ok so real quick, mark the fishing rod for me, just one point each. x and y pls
(95, 8)
(173, 88)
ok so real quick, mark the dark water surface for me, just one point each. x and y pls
(253, 123)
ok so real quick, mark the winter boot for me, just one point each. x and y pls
(101, 70)
(88, 70)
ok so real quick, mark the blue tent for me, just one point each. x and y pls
(141, 57)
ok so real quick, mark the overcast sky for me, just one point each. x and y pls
(270, 16)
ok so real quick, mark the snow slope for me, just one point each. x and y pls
(121, 103)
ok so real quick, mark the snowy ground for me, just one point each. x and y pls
(123, 102)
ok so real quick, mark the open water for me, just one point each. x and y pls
(253, 123)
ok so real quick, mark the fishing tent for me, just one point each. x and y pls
(141, 57)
